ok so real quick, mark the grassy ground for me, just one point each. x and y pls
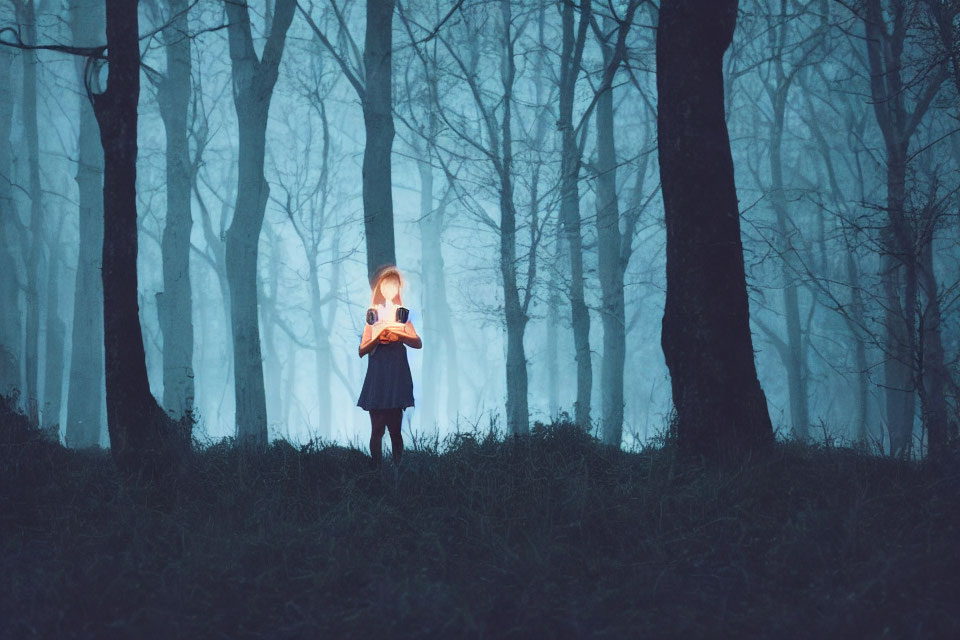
(551, 535)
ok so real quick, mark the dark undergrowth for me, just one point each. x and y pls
(550, 535)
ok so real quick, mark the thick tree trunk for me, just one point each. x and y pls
(721, 408)
(253, 88)
(86, 386)
(611, 270)
(241, 258)
(136, 423)
(378, 121)
(10, 342)
(175, 302)
(570, 57)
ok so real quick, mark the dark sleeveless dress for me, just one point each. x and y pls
(388, 383)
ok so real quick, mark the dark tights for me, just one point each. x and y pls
(379, 420)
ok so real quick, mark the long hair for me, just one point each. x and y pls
(386, 271)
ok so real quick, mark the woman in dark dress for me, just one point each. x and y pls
(388, 386)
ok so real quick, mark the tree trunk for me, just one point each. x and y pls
(934, 371)
(518, 412)
(10, 342)
(898, 278)
(85, 391)
(572, 49)
(611, 270)
(253, 82)
(136, 423)
(35, 259)
(432, 269)
(436, 308)
(555, 302)
(721, 408)
(855, 325)
(898, 272)
(175, 302)
(378, 121)
(55, 331)
(218, 264)
(267, 306)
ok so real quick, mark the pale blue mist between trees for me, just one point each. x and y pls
(522, 189)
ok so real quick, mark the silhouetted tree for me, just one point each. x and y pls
(138, 427)
(721, 410)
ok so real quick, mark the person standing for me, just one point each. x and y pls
(388, 385)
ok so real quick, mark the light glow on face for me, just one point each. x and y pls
(389, 287)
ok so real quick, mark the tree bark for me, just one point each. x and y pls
(137, 425)
(721, 410)
(175, 302)
(253, 82)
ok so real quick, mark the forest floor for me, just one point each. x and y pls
(551, 535)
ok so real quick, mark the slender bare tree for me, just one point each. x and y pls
(253, 82)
